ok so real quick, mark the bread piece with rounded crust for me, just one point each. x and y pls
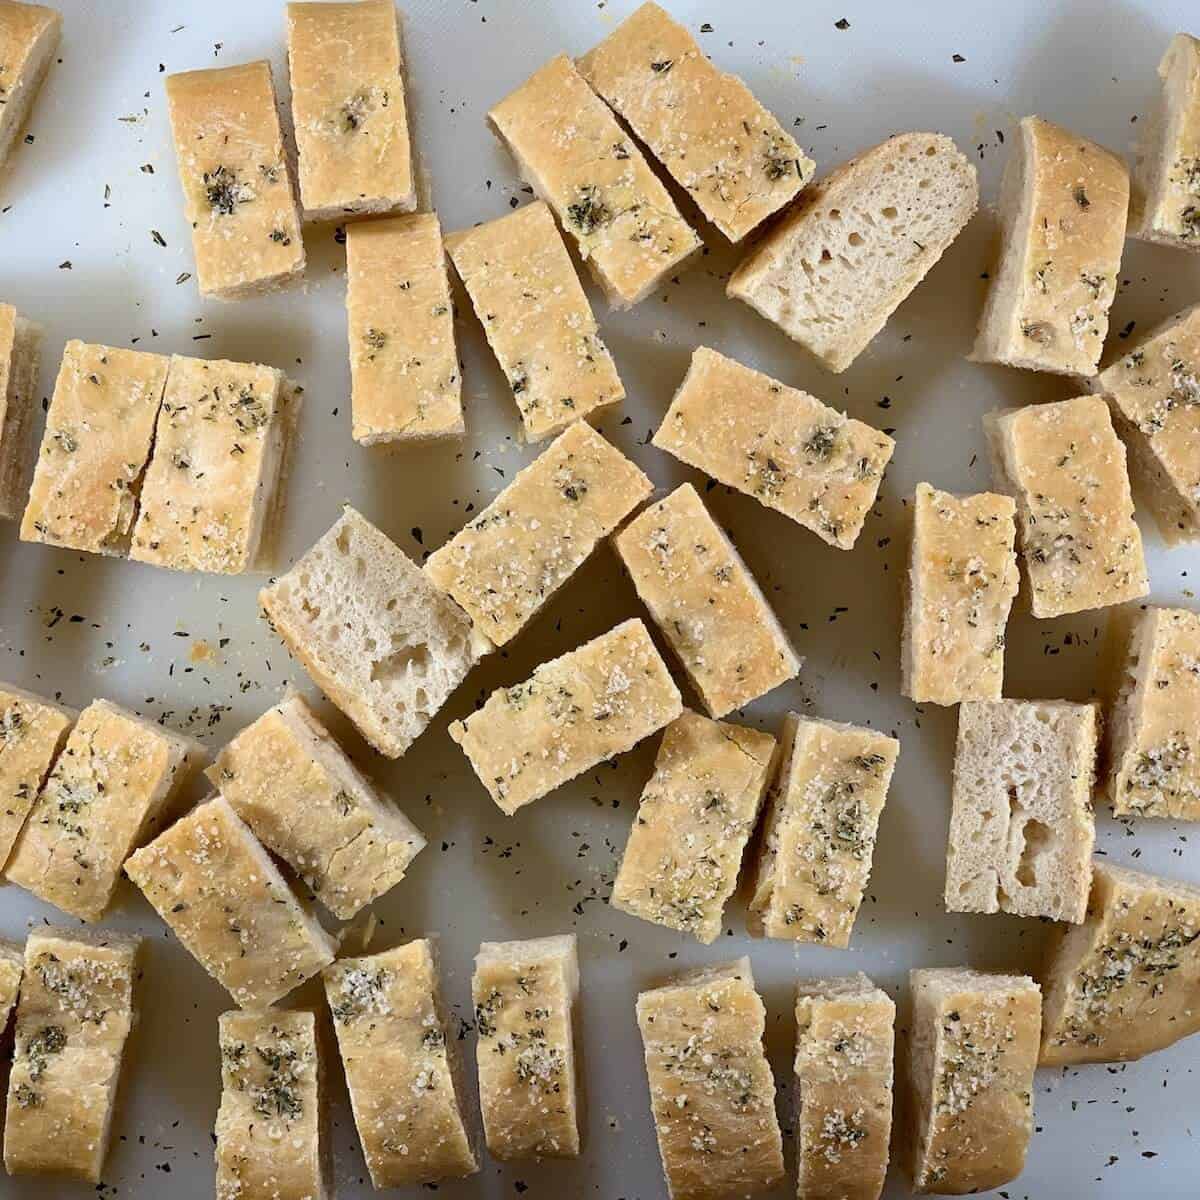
(29, 36)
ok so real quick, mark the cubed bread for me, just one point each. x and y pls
(29, 36)
(376, 636)
(857, 243)
(20, 360)
(711, 1089)
(1063, 205)
(973, 1048)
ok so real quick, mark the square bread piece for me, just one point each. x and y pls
(1127, 981)
(217, 888)
(402, 1066)
(819, 835)
(961, 583)
(711, 1089)
(1063, 204)
(28, 38)
(857, 243)
(271, 1131)
(524, 995)
(376, 636)
(735, 159)
(99, 434)
(706, 603)
(845, 1035)
(695, 816)
(406, 384)
(778, 444)
(573, 713)
(1022, 826)
(215, 479)
(1165, 204)
(74, 1015)
(507, 562)
(348, 109)
(238, 194)
(570, 149)
(290, 781)
(20, 361)
(537, 319)
(1065, 466)
(973, 1048)
(113, 785)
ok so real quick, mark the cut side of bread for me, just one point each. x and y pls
(29, 36)
(20, 359)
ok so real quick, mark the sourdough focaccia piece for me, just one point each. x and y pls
(290, 781)
(271, 1131)
(402, 1065)
(524, 995)
(1022, 826)
(574, 712)
(778, 444)
(99, 434)
(538, 322)
(216, 887)
(973, 1049)
(74, 1016)
(20, 360)
(1165, 204)
(1063, 204)
(819, 835)
(504, 565)
(734, 158)
(706, 603)
(238, 194)
(110, 790)
(570, 149)
(1065, 466)
(696, 815)
(845, 1035)
(962, 579)
(376, 636)
(857, 243)
(348, 109)
(406, 385)
(711, 1090)
(12, 968)
(28, 38)
(1127, 981)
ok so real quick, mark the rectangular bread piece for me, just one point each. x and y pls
(1126, 982)
(706, 603)
(711, 1090)
(20, 361)
(573, 713)
(845, 1036)
(220, 446)
(29, 36)
(238, 194)
(695, 816)
(571, 151)
(778, 444)
(225, 900)
(524, 995)
(507, 562)
(1022, 826)
(377, 637)
(973, 1048)
(961, 582)
(1065, 466)
(537, 319)
(99, 434)
(819, 834)
(348, 109)
(406, 384)
(271, 1130)
(290, 781)
(736, 161)
(74, 1015)
(110, 790)
(402, 1066)
(1063, 205)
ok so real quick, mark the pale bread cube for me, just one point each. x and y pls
(29, 36)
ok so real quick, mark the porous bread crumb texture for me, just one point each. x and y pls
(20, 359)
(29, 36)
(857, 243)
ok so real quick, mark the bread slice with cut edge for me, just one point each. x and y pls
(20, 359)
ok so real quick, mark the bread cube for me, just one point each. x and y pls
(28, 38)
(20, 360)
